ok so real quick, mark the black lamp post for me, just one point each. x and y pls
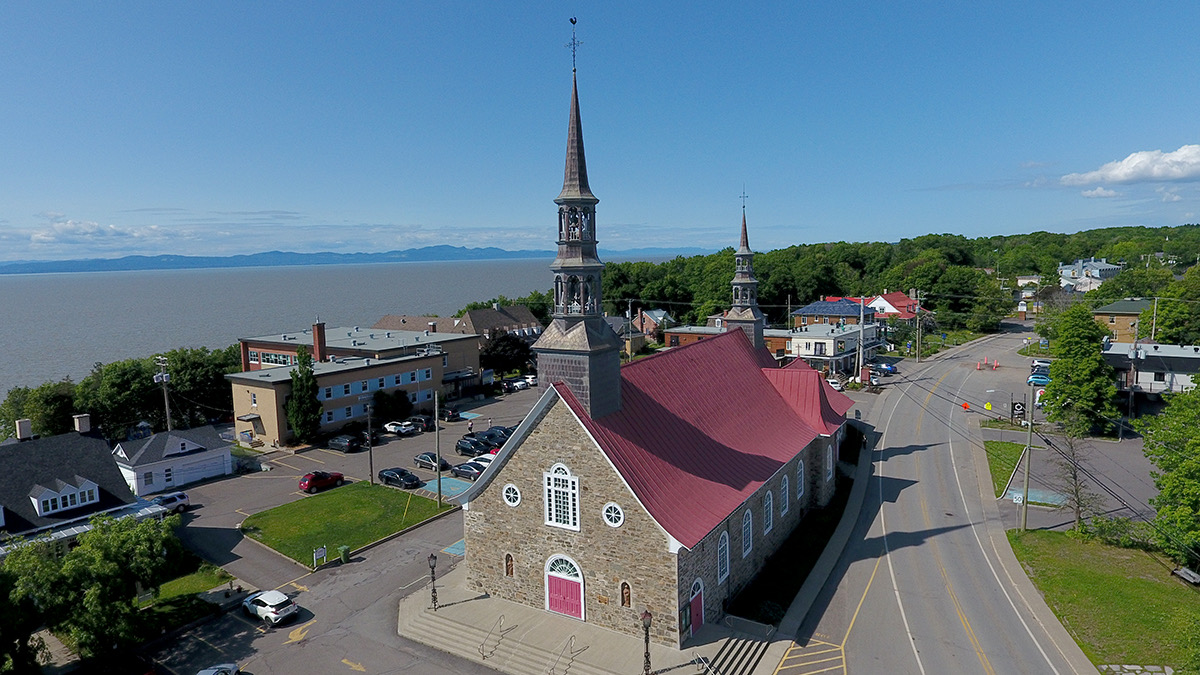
(646, 618)
(432, 580)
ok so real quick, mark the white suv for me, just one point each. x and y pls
(173, 501)
(272, 607)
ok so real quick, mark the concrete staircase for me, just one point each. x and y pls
(738, 656)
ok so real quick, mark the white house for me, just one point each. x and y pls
(168, 460)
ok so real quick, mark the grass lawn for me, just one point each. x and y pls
(353, 515)
(206, 578)
(1120, 605)
(1002, 461)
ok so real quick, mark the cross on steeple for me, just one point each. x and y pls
(743, 196)
(573, 44)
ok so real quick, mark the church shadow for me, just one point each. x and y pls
(898, 451)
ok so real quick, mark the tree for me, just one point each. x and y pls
(199, 391)
(1071, 453)
(20, 648)
(302, 408)
(49, 406)
(90, 593)
(1172, 445)
(1081, 390)
(504, 353)
(118, 395)
(392, 406)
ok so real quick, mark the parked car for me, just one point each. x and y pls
(173, 501)
(429, 460)
(876, 370)
(449, 415)
(471, 447)
(490, 438)
(837, 386)
(531, 380)
(506, 432)
(469, 470)
(272, 607)
(399, 477)
(1041, 370)
(223, 669)
(885, 367)
(404, 428)
(1039, 363)
(319, 480)
(484, 460)
(516, 384)
(345, 443)
(422, 422)
(1038, 380)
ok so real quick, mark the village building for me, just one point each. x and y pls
(1121, 317)
(1151, 369)
(830, 311)
(487, 323)
(170, 459)
(652, 323)
(659, 486)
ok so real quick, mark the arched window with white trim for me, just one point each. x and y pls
(829, 462)
(801, 479)
(561, 497)
(723, 558)
(784, 497)
(747, 532)
(768, 512)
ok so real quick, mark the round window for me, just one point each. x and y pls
(613, 515)
(512, 496)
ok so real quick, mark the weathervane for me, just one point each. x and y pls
(743, 196)
(573, 44)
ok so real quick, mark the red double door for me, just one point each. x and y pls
(565, 596)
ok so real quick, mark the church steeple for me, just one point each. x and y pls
(745, 313)
(578, 348)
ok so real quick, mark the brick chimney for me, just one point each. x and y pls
(83, 423)
(432, 328)
(24, 429)
(319, 341)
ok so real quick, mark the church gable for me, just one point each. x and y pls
(557, 498)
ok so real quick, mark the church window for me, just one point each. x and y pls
(508, 565)
(613, 515)
(561, 498)
(512, 495)
(783, 496)
(747, 533)
(626, 595)
(768, 512)
(829, 462)
(800, 481)
(723, 557)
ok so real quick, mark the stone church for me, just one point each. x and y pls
(661, 485)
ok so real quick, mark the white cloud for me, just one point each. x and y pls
(1144, 166)
(1099, 192)
(1168, 195)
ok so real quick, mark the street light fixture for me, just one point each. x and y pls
(433, 580)
(647, 617)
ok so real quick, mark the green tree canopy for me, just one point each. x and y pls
(1081, 391)
(302, 408)
(1172, 445)
(504, 353)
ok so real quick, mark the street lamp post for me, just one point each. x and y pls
(370, 449)
(646, 618)
(433, 580)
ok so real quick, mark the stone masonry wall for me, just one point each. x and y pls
(635, 553)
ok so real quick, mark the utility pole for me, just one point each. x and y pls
(919, 322)
(862, 334)
(164, 377)
(370, 449)
(788, 319)
(1154, 320)
(1028, 460)
(437, 443)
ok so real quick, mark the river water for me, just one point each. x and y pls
(59, 325)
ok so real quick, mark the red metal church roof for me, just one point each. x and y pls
(701, 428)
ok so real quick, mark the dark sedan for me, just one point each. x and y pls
(470, 447)
(470, 471)
(429, 460)
(491, 438)
(399, 477)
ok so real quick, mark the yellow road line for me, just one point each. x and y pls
(860, 602)
(293, 581)
(283, 463)
(811, 665)
(311, 459)
(335, 454)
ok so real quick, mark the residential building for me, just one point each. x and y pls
(895, 305)
(487, 323)
(661, 486)
(1082, 276)
(833, 348)
(632, 340)
(1121, 317)
(51, 486)
(652, 323)
(824, 311)
(345, 388)
(1148, 368)
(171, 459)
(776, 340)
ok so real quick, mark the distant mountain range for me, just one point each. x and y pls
(282, 258)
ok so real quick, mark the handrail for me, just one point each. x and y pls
(568, 644)
(702, 661)
(499, 622)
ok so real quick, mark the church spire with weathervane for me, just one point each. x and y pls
(578, 348)
(744, 313)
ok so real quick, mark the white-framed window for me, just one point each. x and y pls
(365, 407)
(346, 389)
(253, 400)
(412, 397)
(91, 495)
(364, 385)
(800, 481)
(428, 374)
(45, 506)
(784, 497)
(723, 558)
(512, 495)
(768, 512)
(747, 532)
(561, 497)
(397, 380)
(349, 411)
(253, 356)
(54, 503)
(381, 383)
(148, 478)
(73, 498)
(829, 463)
(445, 361)
(613, 515)
(328, 415)
(328, 393)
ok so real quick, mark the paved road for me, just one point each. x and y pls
(923, 587)
(348, 613)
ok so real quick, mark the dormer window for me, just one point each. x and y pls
(47, 501)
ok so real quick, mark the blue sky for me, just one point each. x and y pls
(219, 128)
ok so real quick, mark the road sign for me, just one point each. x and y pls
(1018, 409)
